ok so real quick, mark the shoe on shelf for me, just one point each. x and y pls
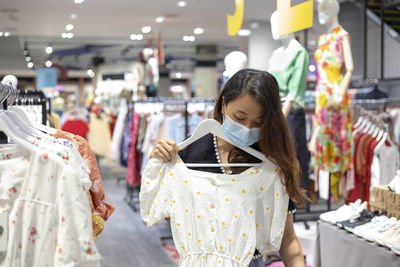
(344, 213)
(396, 248)
(364, 218)
(394, 185)
(363, 229)
(389, 237)
(379, 230)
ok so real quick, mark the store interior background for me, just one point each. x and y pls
(101, 55)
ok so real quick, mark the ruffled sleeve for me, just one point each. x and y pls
(155, 193)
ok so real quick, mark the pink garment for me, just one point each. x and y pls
(133, 171)
(279, 264)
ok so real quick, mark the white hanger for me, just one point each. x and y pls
(23, 116)
(214, 127)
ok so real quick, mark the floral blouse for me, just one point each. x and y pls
(44, 196)
(216, 219)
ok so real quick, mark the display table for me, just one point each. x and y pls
(336, 247)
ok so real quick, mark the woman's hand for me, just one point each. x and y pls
(165, 150)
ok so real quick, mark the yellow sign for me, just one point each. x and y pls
(296, 18)
(235, 21)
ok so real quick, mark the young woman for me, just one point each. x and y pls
(250, 112)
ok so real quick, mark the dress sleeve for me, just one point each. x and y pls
(272, 209)
(155, 195)
(296, 85)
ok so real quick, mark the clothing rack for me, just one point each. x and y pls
(33, 98)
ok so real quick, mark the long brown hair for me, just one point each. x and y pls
(275, 141)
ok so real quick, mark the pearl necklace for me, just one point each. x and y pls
(218, 157)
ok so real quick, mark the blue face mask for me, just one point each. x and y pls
(239, 134)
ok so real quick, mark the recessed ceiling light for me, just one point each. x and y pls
(79, 1)
(27, 59)
(1, 34)
(133, 37)
(189, 38)
(69, 27)
(6, 34)
(64, 35)
(139, 37)
(311, 68)
(70, 35)
(25, 52)
(49, 49)
(90, 72)
(181, 3)
(146, 29)
(178, 75)
(73, 16)
(198, 30)
(244, 32)
(160, 19)
(30, 65)
(48, 63)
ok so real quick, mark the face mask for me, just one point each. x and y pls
(239, 134)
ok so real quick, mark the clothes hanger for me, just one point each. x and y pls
(214, 127)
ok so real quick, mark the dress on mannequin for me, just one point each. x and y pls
(289, 65)
(334, 143)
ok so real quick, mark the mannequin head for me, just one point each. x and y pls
(147, 53)
(234, 62)
(10, 80)
(328, 11)
(275, 28)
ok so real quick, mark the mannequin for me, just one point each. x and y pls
(332, 140)
(234, 62)
(289, 65)
(151, 72)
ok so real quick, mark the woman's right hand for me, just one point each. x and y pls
(165, 150)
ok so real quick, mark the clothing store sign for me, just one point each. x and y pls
(294, 18)
(291, 18)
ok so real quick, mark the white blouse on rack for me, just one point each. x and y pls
(216, 219)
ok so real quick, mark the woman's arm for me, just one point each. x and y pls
(291, 252)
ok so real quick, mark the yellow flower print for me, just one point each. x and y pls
(322, 101)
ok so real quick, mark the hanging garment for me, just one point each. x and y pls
(334, 142)
(101, 207)
(118, 130)
(133, 170)
(99, 136)
(175, 126)
(216, 219)
(44, 196)
(126, 139)
(77, 127)
(289, 66)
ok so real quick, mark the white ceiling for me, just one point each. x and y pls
(39, 22)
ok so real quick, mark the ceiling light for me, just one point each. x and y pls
(6, 34)
(27, 59)
(244, 32)
(186, 38)
(25, 52)
(181, 3)
(198, 31)
(90, 72)
(189, 38)
(192, 38)
(73, 16)
(160, 19)
(64, 35)
(49, 49)
(1, 34)
(79, 1)
(178, 75)
(146, 29)
(30, 65)
(70, 35)
(48, 63)
(311, 68)
(139, 37)
(69, 27)
(133, 37)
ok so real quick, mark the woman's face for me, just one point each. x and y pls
(245, 110)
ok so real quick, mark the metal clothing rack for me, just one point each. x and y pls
(171, 104)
